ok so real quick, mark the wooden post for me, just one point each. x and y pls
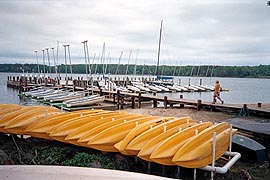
(46, 81)
(114, 99)
(122, 103)
(118, 99)
(132, 102)
(259, 104)
(171, 105)
(200, 82)
(100, 92)
(165, 102)
(154, 100)
(199, 104)
(140, 100)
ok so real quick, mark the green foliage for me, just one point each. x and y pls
(261, 71)
(45, 152)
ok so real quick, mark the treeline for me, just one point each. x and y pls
(261, 71)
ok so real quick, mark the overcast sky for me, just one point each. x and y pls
(220, 32)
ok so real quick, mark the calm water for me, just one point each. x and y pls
(241, 90)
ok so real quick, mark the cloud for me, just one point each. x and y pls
(226, 32)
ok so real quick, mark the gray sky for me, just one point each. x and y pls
(220, 32)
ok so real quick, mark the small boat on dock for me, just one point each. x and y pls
(84, 101)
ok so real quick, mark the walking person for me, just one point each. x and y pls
(217, 93)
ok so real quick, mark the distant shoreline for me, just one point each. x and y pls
(261, 71)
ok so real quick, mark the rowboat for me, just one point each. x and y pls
(26, 172)
(164, 153)
(84, 101)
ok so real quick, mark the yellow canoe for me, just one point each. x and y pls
(106, 139)
(151, 145)
(203, 153)
(19, 113)
(193, 152)
(40, 128)
(18, 126)
(136, 139)
(78, 125)
(107, 124)
(90, 117)
(164, 153)
(77, 133)
(9, 109)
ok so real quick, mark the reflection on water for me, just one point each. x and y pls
(241, 90)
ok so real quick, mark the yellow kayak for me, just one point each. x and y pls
(151, 145)
(77, 125)
(164, 153)
(117, 120)
(195, 152)
(9, 109)
(79, 132)
(106, 139)
(90, 117)
(135, 140)
(203, 153)
(19, 113)
(40, 128)
(18, 126)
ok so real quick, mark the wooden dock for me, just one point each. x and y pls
(127, 99)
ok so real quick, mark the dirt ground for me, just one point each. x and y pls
(202, 115)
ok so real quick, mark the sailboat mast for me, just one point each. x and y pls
(159, 43)
(116, 72)
(135, 67)
(55, 65)
(37, 62)
(43, 58)
(85, 59)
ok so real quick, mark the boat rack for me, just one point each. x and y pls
(221, 170)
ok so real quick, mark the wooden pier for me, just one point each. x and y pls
(133, 100)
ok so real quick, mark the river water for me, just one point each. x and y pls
(241, 90)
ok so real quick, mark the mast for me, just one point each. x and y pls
(65, 51)
(116, 71)
(85, 58)
(143, 67)
(159, 43)
(128, 63)
(57, 53)
(55, 65)
(70, 63)
(43, 58)
(50, 70)
(135, 67)
(37, 62)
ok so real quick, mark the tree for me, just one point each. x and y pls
(268, 3)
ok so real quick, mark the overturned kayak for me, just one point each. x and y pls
(164, 140)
